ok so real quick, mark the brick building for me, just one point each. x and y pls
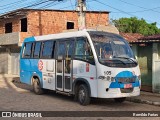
(22, 23)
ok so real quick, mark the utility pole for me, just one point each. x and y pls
(81, 8)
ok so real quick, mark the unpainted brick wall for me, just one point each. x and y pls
(50, 22)
(16, 27)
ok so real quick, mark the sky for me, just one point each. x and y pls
(146, 9)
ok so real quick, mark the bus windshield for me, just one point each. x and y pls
(112, 47)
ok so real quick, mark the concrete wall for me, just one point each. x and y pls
(155, 65)
(156, 69)
(3, 60)
(134, 48)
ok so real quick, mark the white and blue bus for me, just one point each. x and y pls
(84, 64)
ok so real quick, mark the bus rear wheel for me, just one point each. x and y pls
(37, 87)
(83, 95)
(120, 100)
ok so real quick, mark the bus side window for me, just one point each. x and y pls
(69, 54)
(37, 49)
(47, 49)
(27, 50)
(83, 50)
(60, 50)
(69, 49)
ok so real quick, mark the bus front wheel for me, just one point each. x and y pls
(37, 87)
(119, 100)
(83, 95)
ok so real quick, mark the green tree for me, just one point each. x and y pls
(134, 25)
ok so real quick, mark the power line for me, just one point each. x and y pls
(36, 4)
(13, 6)
(31, 5)
(7, 6)
(146, 9)
(52, 4)
(136, 11)
(49, 4)
(12, 3)
(113, 7)
(66, 7)
(120, 10)
(72, 5)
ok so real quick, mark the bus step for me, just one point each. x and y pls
(64, 93)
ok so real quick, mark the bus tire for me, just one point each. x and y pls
(37, 87)
(83, 95)
(120, 100)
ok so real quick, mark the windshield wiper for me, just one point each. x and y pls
(120, 61)
(114, 60)
(127, 59)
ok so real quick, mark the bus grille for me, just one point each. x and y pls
(126, 90)
(127, 80)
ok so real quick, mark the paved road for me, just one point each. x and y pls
(19, 97)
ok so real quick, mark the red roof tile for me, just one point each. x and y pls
(152, 37)
(131, 37)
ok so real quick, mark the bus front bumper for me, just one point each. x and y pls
(117, 93)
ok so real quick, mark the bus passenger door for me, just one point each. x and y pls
(60, 65)
(64, 65)
(68, 63)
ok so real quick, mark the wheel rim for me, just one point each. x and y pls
(82, 95)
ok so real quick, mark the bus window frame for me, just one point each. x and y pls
(24, 48)
(42, 48)
(33, 57)
(87, 41)
(64, 40)
(54, 51)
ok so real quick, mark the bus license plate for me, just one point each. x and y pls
(127, 85)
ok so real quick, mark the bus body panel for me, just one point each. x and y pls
(25, 65)
(88, 72)
(25, 71)
(48, 73)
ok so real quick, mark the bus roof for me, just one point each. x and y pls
(63, 35)
(56, 36)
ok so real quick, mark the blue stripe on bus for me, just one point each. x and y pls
(124, 74)
(30, 39)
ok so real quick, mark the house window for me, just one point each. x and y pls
(24, 25)
(70, 25)
(8, 27)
